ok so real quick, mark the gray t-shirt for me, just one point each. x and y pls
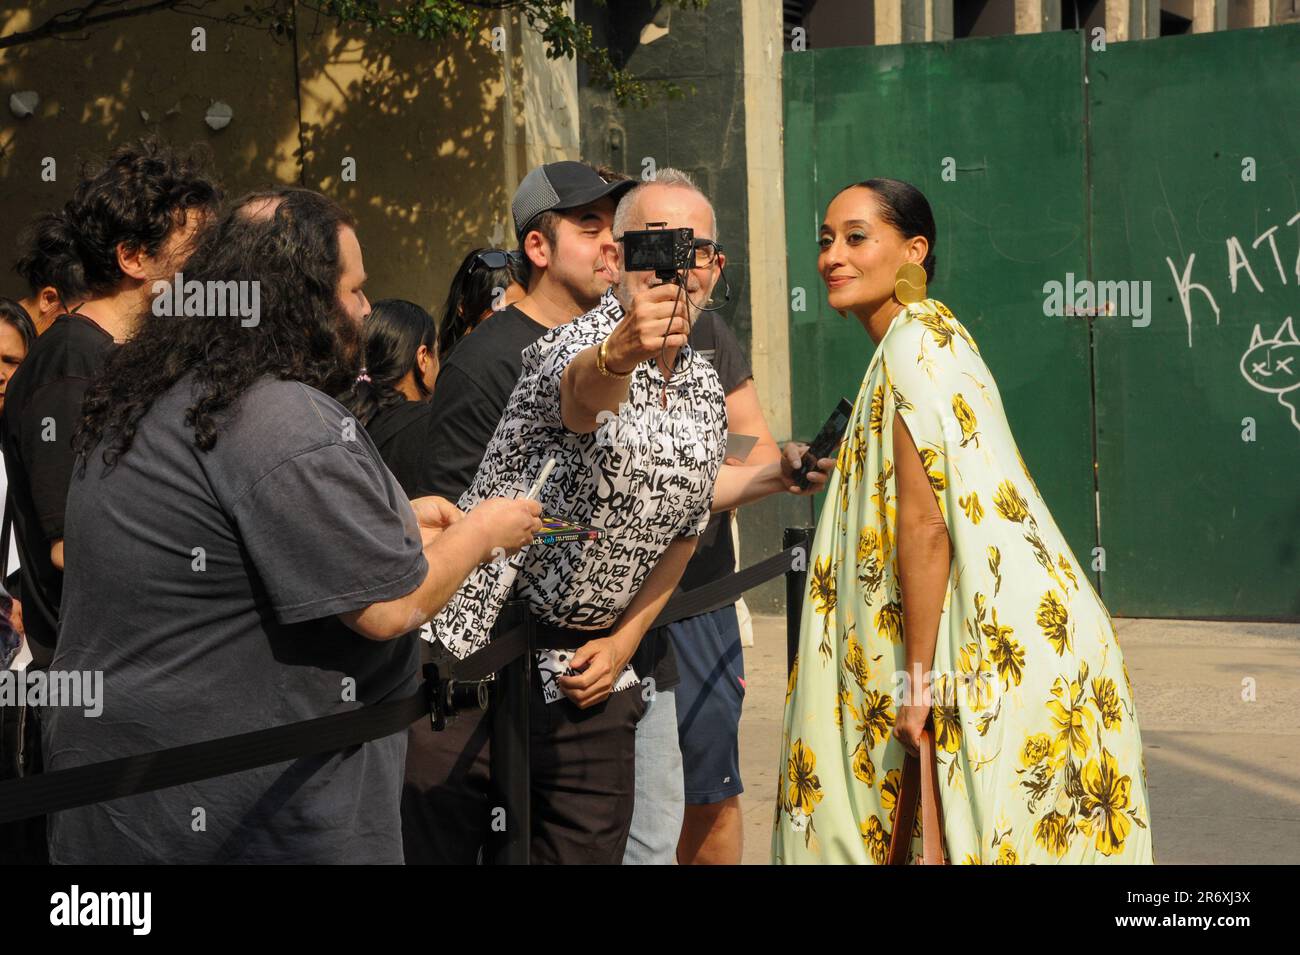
(204, 585)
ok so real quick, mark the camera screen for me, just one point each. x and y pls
(648, 251)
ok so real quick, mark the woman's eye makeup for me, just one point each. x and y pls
(853, 238)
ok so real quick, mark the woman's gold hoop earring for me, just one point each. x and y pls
(909, 283)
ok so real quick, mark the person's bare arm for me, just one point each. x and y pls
(56, 553)
(745, 416)
(585, 392)
(741, 484)
(462, 544)
(655, 314)
(924, 557)
(605, 657)
(768, 469)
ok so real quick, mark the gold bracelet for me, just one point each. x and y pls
(602, 367)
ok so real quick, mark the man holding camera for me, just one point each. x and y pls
(563, 212)
(636, 425)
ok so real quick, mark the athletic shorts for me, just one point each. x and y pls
(709, 700)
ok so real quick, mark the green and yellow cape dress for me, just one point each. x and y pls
(1040, 758)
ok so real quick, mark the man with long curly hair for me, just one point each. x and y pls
(130, 224)
(239, 557)
(130, 221)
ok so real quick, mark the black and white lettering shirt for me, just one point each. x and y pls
(644, 477)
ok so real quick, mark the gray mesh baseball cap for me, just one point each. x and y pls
(557, 186)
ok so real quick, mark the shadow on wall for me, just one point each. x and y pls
(421, 122)
(138, 77)
(425, 124)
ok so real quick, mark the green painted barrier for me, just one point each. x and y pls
(1072, 188)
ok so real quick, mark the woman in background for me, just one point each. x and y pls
(390, 398)
(936, 555)
(16, 336)
(17, 332)
(487, 281)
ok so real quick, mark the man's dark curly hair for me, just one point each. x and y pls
(285, 239)
(137, 196)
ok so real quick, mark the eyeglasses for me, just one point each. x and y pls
(706, 252)
(493, 259)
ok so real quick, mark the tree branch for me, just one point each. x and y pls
(563, 36)
(81, 18)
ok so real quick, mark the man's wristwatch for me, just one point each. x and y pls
(604, 368)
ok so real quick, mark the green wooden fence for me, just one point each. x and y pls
(1166, 440)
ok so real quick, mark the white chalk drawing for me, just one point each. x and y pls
(1273, 365)
(1237, 262)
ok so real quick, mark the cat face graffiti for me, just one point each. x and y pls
(1273, 364)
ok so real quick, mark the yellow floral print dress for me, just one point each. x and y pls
(1040, 758)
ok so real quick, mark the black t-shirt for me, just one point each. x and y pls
(401, 433)
(715, 557)
(204, 585)
(42, 409)
(469, 399)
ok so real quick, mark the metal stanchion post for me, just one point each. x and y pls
(510, 751)
(796, 585)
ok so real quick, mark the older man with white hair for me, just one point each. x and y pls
(636, 424)
(687, 756)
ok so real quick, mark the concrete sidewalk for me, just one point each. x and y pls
(1221, 771)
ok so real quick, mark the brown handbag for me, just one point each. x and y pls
(920, 784)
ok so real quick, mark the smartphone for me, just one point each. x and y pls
(828, 438)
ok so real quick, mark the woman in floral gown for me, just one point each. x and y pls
(936, 556)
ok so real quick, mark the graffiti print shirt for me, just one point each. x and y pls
(644, 477)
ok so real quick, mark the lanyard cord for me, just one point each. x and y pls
(663, 350)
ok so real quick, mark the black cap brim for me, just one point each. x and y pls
(585, 197)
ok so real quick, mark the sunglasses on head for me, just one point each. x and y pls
(493, 259)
